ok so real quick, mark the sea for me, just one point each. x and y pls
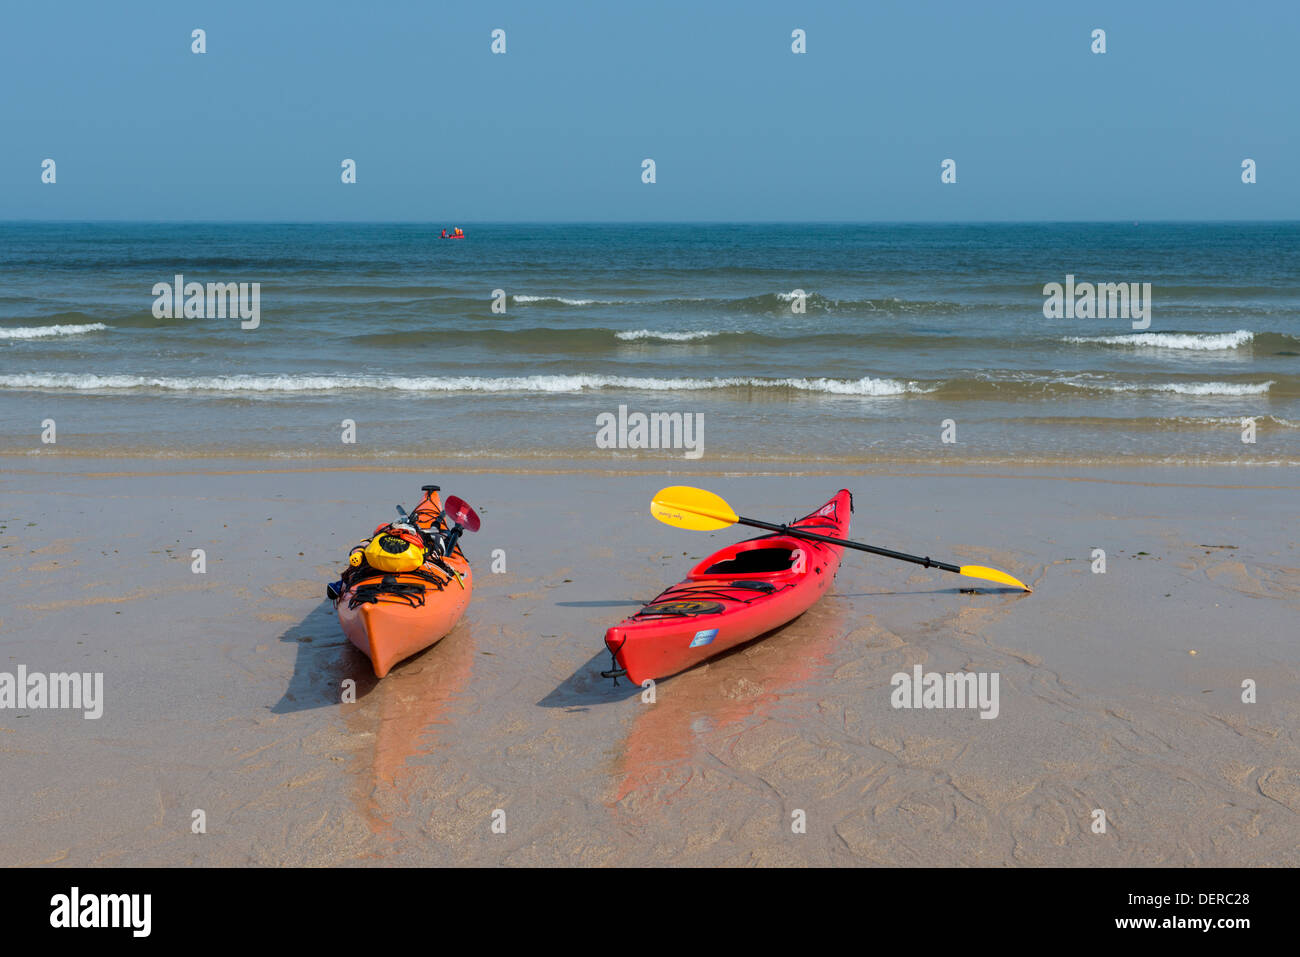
(788, 346)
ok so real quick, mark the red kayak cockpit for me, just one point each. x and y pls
(769, 557)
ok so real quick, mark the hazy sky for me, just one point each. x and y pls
(740, 127)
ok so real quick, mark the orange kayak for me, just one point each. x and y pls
(391, 616)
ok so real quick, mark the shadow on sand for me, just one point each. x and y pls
(325, 658)
(585, 687)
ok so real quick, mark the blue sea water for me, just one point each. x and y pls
(908, 334)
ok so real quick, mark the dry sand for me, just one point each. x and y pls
(222, 689)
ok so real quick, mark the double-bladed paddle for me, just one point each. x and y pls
(693, 508)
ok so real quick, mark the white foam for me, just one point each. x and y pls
(46, 332)
(1204, 342)
(865, 386)
(665, 336)
(1220, 421)
(565, 300)
(1179, 388)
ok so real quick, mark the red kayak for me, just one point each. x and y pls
(733, 596)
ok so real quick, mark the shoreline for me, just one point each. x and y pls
(561, 464)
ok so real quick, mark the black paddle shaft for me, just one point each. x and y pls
(927, 561)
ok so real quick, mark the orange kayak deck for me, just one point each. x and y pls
(394, 627)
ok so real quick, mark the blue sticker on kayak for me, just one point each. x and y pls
(704, 637)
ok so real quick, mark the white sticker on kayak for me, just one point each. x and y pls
(704, 637)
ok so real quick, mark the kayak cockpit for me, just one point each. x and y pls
(758, 557)
(754, 561)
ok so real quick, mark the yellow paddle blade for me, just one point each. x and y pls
(993, 575)
(692, 508)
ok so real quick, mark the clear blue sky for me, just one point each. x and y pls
(740, 127)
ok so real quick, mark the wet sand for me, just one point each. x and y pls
(223, 689)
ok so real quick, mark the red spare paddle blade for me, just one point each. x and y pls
(460, 513)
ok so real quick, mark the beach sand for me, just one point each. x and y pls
(222, 690)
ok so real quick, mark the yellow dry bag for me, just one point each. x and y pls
(395, 550)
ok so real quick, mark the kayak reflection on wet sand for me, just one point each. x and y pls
(407, 715)
(702, 711)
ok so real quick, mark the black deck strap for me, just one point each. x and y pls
(698, 591)
(420, 573)
(433, 579)
(615, 670)
(817, 526)
(650, 611)
(754, 585)
(390, 589)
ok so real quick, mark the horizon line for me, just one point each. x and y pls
(644, 222)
